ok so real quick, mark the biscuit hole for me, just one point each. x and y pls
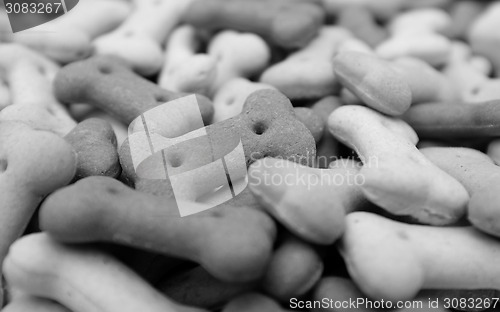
(41, 70)
(105, 70)
(161, 98)
(475, 91)
(51, 111)
(82, 54)
(402, 235)
(175, 160)
(231, 101)
(129, 34)
(259, 128)
(112, 190)
(216, 213)
(3, 165)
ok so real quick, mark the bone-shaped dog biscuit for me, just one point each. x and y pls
(184, 69)
(407, 258)
(267, 126)
(140, 37)
(107, 83)
(32, 164)
(287, 23)
(233, 244)
(447, 120)
(397, 176)
(307, 73)
(80, 278)
(310, 202)
(69, 37)
(95, 144)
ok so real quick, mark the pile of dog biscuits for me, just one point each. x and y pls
(252, 156)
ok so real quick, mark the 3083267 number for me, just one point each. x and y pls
(33, 8)
(470, 303)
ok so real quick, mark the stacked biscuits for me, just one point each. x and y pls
(252, 155)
